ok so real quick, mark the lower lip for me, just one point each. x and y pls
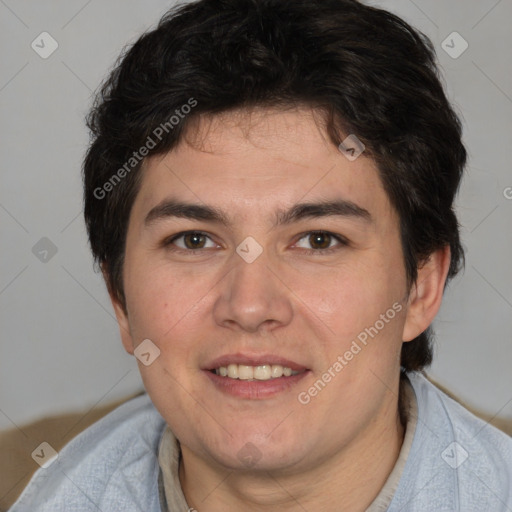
(254, 389)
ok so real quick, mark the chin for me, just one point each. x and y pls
(256, 452)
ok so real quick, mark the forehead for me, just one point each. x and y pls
(260, 161)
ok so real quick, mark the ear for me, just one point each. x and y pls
(121, 314)
(426, 293)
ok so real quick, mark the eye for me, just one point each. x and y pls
(191, 240)
(322, 241)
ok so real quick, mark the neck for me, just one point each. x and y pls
(352, 476)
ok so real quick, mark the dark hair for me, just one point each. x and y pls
(367, 71)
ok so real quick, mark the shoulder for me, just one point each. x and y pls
(112, 465)
(457, 461)
(486, 443)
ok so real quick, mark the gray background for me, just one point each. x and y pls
(60, 346)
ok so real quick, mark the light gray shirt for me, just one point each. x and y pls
(456, 463)
(172, 498)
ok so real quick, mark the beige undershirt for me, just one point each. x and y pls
(169, 455)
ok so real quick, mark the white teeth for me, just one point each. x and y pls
(262, 372)
(233, 371)
(245, 372)
(277, 370)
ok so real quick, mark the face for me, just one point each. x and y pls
(226, 271)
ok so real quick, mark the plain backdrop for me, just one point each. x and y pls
(60, 345)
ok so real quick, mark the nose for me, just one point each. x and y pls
(252, 297)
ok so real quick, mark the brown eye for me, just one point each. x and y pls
(189, 241)
(194, 240)
(320, 240)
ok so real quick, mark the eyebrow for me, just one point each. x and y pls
(341, 207)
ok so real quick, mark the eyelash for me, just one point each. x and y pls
(343, 242)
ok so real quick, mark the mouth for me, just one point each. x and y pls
(260, 372)
(254, 377)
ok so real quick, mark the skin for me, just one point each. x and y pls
(199, 304)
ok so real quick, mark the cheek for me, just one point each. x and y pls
(170, 309)
(348, 299)
(360, 304)
(160, 298)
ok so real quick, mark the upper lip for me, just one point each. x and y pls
(253, 360)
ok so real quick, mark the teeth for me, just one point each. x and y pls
(262, 372)
(233, 371)
(277, 371)
(245, 372)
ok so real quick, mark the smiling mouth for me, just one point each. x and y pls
(255, 373)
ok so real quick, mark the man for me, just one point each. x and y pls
(269, 193)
